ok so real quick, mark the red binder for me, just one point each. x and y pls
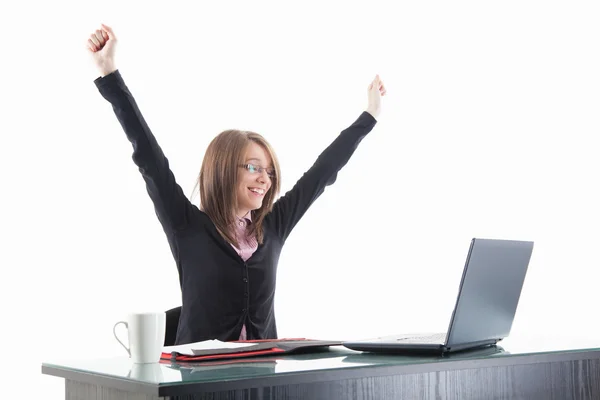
(261, 348)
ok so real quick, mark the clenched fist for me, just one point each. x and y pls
(102, 45)
(375, 91)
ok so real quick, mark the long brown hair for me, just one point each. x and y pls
(219, 177)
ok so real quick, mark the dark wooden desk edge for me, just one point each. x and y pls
(183, 388)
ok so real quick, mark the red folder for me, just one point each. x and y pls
(263, 347)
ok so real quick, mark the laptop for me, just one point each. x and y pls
(487, 300)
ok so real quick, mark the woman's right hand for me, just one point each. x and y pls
(375, 91)
(102, 45)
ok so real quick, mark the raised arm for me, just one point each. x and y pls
(288, 210)
(172, 207)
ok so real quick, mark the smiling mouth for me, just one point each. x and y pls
(257, 191)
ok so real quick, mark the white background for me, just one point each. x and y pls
(488, 130)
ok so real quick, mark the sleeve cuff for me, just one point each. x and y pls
(113, 77)
(367, 117)
(366, 120)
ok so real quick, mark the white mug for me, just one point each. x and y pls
(146, 334)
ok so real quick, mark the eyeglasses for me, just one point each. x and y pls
(253, 169)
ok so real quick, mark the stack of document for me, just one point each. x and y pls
(216, 349)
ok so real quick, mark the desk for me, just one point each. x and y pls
(536, 369)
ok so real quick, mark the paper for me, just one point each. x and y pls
(187, 349)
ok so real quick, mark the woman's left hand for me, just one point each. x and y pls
(375, 91)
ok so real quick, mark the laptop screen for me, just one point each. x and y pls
(489, 291)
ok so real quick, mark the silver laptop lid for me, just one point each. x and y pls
(489, 290)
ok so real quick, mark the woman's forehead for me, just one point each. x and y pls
(255, 152)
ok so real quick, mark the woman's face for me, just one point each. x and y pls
(254, 179)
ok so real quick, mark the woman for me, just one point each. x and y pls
(227, 250)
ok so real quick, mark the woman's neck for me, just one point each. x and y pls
(242, 213)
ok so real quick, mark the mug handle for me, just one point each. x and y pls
(116, 337)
